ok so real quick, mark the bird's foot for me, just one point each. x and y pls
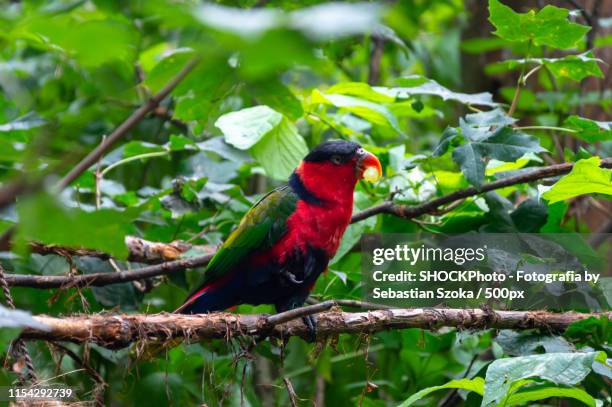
(311, 323)
(291, 277)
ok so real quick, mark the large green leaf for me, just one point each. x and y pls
(281, 150)
(271, 138)
(506, 144)
(549, 26)
(373, 112)
(504, 375)
(272, 92)
(587, 177)
(43, 219)
(526, 343)
(244, 128)
(575, 67)
(476, 385)
(589, 130)
(417, 85)
(76, 34)
(546, 392)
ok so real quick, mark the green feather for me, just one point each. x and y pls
(262, 226)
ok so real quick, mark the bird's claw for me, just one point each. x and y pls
(291, 277)
(311, 323)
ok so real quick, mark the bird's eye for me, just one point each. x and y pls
(336, 159)
(360, 152)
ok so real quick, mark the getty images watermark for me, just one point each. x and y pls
(512, 271)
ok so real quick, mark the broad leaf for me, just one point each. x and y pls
(476, 385)
(574, 67)
(549, 26)
(244, 128)
(521, 344)
(273, 93)
(587, 177)
(560, 368)
(416, 85)
(504, 145)
(271, 138)
(589, 130)
(75, 34)
(551, 391)
(281, 150)
(373, 112)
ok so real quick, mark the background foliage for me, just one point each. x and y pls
(447, 93)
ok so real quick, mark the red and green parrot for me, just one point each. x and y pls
(285, 241)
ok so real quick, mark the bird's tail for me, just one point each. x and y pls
(217, 296)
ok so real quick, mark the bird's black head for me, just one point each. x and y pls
(337, 151)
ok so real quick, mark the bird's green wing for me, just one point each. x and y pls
(263, 225)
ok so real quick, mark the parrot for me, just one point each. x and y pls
(286, 240)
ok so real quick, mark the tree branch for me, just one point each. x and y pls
(122, 130)
(140, 250)
(102, 279)
(118, 331)
(408, 212)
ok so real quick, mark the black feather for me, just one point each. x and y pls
(324, 151)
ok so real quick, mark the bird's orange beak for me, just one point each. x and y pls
(369, 167)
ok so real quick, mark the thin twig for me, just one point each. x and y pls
(291, 392)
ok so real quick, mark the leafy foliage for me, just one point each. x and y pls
(420, 84)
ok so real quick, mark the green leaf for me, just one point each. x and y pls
(589, 130)
(167, 68)
(275, 94)
(375, 113)
(549, 26)
(179, 142)
(574, 67)
(471, 162)
(526, 343)
(43, 219)
(476, 385)
(272, 139)
(488, 135)
(560, 368)
(481, 45)
(504, 145)
(587, 177)
(431, 87)
(361, 90)
(548, 392)
(244, 128)
(281, 150)
(79, 34)
(136, 147)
